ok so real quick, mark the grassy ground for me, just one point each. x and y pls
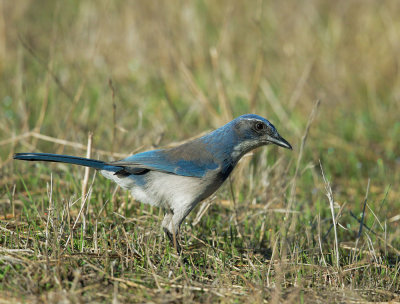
(145, 74)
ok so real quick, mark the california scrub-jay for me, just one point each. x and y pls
(178, 178)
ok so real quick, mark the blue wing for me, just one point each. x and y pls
(173, 161)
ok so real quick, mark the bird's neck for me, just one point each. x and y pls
(223, 144)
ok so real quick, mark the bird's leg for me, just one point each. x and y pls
(173, 239)
(169, 230)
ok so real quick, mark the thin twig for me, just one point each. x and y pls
(362, 220)
(329, 194)
(301, 151)
(87, 169)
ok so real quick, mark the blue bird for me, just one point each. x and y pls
(178, 178)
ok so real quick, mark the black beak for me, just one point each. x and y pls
(280, 141)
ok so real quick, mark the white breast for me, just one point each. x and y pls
(174, 191)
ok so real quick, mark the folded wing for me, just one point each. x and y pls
(163, 161)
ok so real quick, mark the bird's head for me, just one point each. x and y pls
(253, 131)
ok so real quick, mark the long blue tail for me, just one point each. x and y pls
(92, 163)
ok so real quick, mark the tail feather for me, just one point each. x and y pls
(92, 163)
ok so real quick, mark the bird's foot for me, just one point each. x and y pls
(174, 241)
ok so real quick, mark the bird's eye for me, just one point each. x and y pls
(259, 126)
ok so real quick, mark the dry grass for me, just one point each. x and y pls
(140, 75)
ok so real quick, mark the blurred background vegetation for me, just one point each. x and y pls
(144, 74)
